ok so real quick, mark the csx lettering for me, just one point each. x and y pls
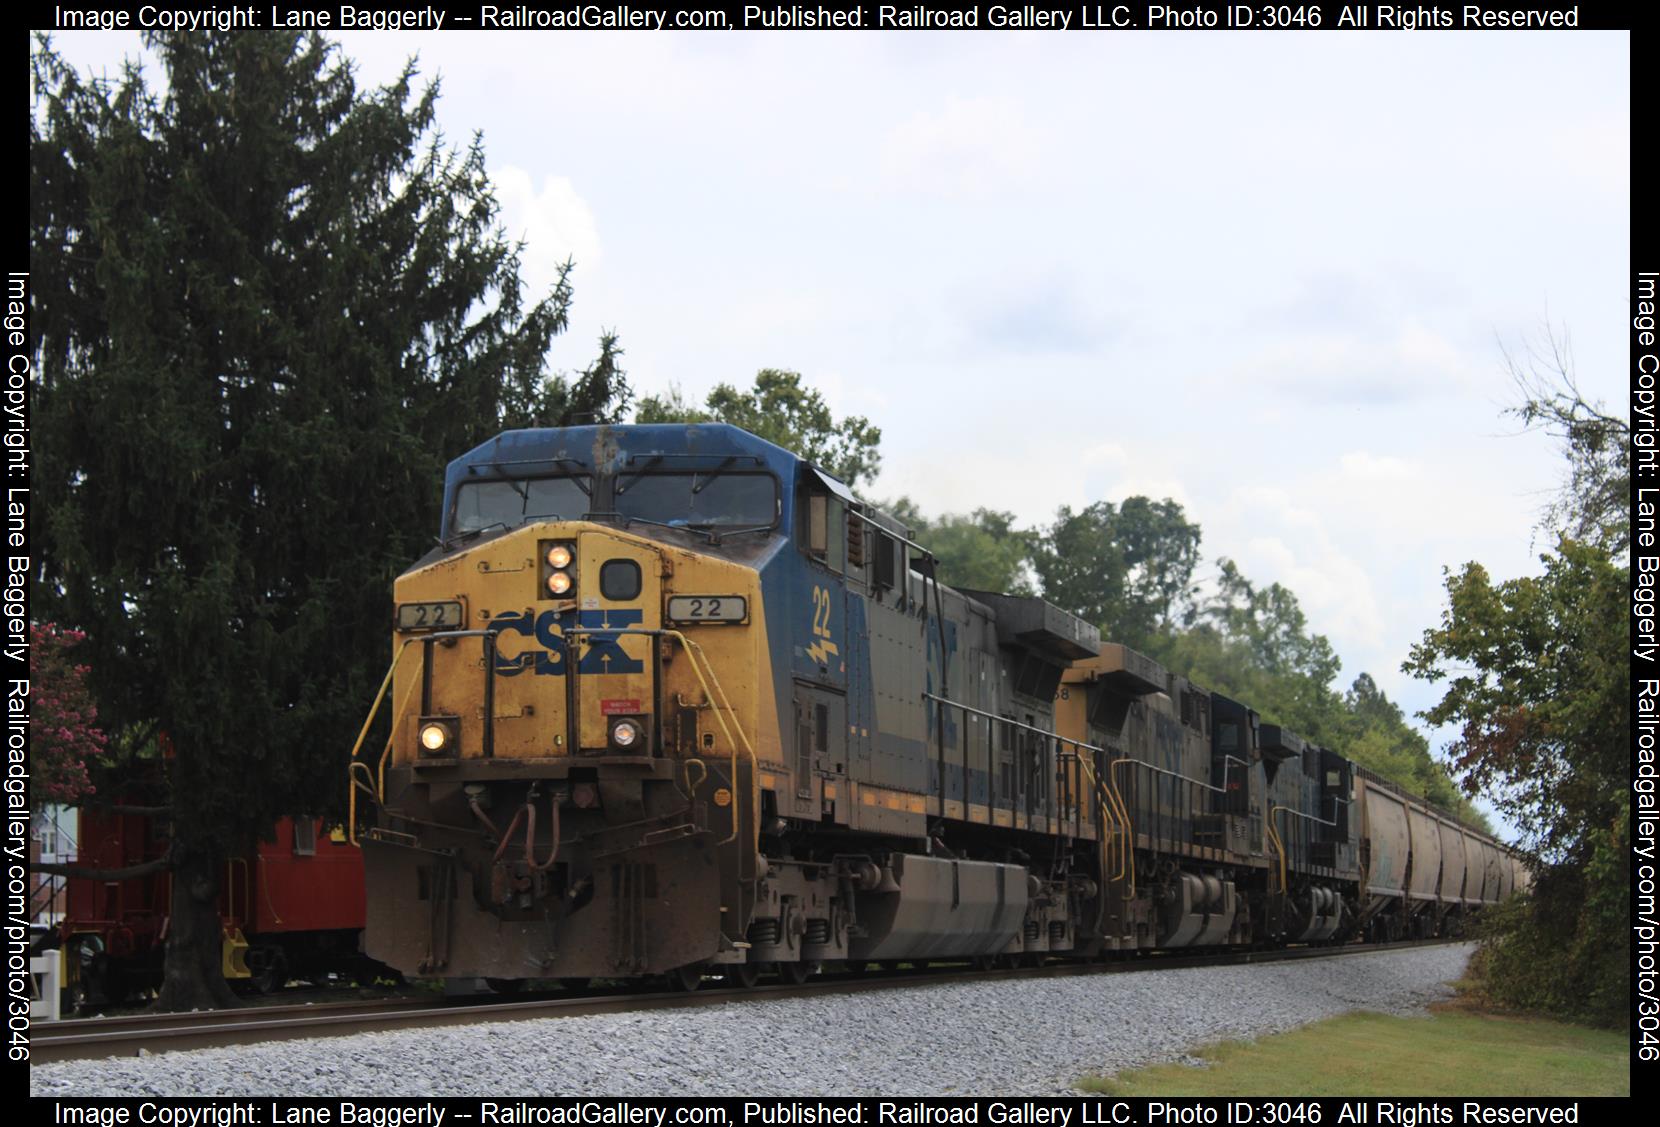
(604, 654)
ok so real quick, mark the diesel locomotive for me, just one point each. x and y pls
(670, 700)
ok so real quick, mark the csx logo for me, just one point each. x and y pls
(605, 654)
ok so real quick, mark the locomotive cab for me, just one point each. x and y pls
(569, 744)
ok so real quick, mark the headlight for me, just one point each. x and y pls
(434, 737)
(557, 569)
(625, 734)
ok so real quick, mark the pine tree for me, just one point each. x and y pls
(268, 307)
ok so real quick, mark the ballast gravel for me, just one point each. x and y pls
(1022, 1037)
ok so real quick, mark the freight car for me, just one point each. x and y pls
(670, 700)
(292, 906)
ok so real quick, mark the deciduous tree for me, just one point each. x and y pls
(780, 408)
(1537, 679)
(63, 729)
(1127, 568)
(982, 550)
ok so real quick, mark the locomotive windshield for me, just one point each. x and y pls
(704, 499)
(480, 504)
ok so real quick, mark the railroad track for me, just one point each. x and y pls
(92, 1038)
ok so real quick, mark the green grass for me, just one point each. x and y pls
(1365, 1054)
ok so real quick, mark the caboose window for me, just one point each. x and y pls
(705, 499)
(510, 502)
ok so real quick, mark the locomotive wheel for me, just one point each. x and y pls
(506, 987)
(743, 974)
(795, 973)
(856, 966)
(982, 962)
(686, 978)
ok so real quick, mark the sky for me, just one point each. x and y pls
(1271, 276)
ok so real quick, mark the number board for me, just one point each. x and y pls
(708, 608)
(430, 616)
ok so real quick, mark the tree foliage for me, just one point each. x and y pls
(64, 731)
(785, 412)
(268, 306)
(1253, 644)
(1127, 568)
(1538, 682)
(1592, 505)
(982, 550)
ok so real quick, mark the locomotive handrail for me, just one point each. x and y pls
(353, 764)
(1128, 846)
(1279, 844)
(1010, 721)
(1106, 799)
(697, 655)
(992, 716)
(376, 786)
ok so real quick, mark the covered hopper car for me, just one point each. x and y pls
(669, 700)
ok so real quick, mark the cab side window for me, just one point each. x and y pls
(824, 532)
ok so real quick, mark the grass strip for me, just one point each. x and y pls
(1450, 1053)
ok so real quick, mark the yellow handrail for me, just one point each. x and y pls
(718, 701)
(1111, 804)
(385, 752)
(375, 784)
(1279, 846)
(352, 784)
(696, 651)
(1272, 810)
(1127, 864)
(1098, 792)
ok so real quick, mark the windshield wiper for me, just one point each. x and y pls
(708, 476)
(470, 534)
(682, 527)
(625, 486)
(717, 533)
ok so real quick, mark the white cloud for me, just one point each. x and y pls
(554, 221)
(1358, 365)
(1105, 453)
(969, 147)
(1597, 151)
(1359, 465)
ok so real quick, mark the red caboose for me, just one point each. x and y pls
(292, 907)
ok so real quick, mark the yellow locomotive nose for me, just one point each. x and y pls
(551, 629)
